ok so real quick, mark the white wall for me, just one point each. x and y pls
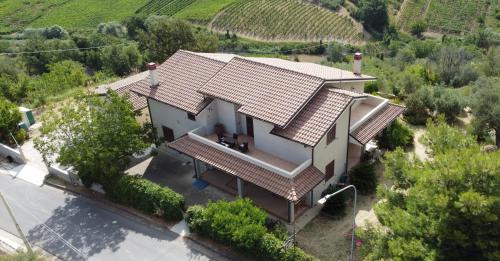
(171, 117)
(208, 117)
(351, 86)
(337, 150)
(226, 113)
(281, 147)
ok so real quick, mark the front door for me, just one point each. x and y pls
(249, 126)
(168, 134)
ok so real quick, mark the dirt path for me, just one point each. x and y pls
(419, 148)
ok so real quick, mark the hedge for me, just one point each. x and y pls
(242, 226)
(363, 176)
(147, 196)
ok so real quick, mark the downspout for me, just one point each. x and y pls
(348, 132)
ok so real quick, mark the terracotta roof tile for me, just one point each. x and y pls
(123, 87)
(180, 77)
(316, 118)
(265, 92)
(289, 188)
(350, 93)
(369, 129)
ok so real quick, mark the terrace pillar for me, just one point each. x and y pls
(291, 211)
(240, 187)
(196, 168)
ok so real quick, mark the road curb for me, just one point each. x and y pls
(144, 219)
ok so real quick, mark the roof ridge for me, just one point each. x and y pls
(277, 67)
(198, 55)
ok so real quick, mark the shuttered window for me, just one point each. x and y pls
(330, 170)
(331, 134)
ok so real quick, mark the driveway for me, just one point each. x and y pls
(176, 171)
(75, 228)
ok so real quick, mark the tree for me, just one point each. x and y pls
(96, 136)
(37, 62)
(418, 27)
(207, 42)
(10, 116)
(373, 13)
(443, 209)
(448, 102)
(120, 59)
(165, 36)
(395, 135)
(334, 53)
(452, 64)
(486, 104)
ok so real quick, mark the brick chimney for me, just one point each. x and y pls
(356, 66)
(152, 75)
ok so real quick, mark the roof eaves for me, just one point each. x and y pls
(351, 99)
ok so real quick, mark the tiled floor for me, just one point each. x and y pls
(360, 111)
(261, 155)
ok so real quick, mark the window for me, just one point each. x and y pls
(191, 116)
(331, 134)
(330, 170)
(168, 134)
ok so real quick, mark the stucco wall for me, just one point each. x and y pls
(171, 117)
(226, 113)
(281, 147)
(324, 153)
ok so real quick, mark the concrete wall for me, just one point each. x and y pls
(281, 147)
(15, 154)
(226, 113)
(324, 153)
(65, 175)
(171, 117)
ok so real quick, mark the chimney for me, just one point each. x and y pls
(152, 75)
(356, 67)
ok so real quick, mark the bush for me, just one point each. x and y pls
(418, 27)
(242, 226)
(334, 53)
(363, 178)
(372, 87)
(395, 135)
(146, 196)
(418, 106)
(336, 205)
(21, 136)
(448, 102)
(9, 118)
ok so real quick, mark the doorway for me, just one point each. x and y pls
(249, 121)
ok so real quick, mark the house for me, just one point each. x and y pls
(276, 131)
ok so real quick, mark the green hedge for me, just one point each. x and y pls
(147, 196)
(395, 135)
(363, 176)
(241, 225)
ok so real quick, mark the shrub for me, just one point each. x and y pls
(334, 53)
(146, 196)
(242, 226)
(9, 118)
(418, 106)
(372, 87)
(364, 178)
(418, 27)
(395, 135)
(336, 205)
(448, 102)
(21, 136)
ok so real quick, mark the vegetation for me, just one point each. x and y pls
(23, 256)
(147, 196)
(486, 107)
(163, 7)
(363, 177)
(96, 136)
(334, 206)
(444, 209)
(373, 13)
(259, 19)
(241, 225)
(10, 116)
(395, 135)
(203, 11)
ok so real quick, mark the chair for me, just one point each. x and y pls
(243, 147)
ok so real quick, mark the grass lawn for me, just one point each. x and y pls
(16, 14)
(203, 10)
(88, 13)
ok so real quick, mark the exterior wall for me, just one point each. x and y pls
(226, 113)
(243, 123)
(281, 147)
(208, 117)
(171, 117)
(324, 153)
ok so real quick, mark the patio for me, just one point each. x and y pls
(258, 154)
(273, 204)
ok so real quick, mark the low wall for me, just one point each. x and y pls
(65, 175)
(15, 154)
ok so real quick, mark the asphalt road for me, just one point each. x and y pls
(75, 228)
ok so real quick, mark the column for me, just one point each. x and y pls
(240, 187)
(291, 211)
(196, 168)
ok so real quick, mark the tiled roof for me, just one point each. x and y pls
(222, 57)
(265, 92)
(369, 129)
(316, 118)
(326, 73)
(289, 188)
(180, 77)
(123, 87)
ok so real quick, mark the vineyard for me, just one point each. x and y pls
(286, 20)
(203, 10)
(445, 15)
(16, 14)
(164, 7)
(88, 13)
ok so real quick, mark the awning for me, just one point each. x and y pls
(383, 118)
(291, 189)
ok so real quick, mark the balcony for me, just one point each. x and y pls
(255, 156)
(365, 110)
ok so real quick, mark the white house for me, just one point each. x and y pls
(276, 131)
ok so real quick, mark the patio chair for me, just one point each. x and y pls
(243, 147)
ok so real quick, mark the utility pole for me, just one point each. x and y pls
(19, 230)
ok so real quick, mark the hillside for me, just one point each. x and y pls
(450, 16)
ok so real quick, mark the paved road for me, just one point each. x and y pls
(75, 228)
